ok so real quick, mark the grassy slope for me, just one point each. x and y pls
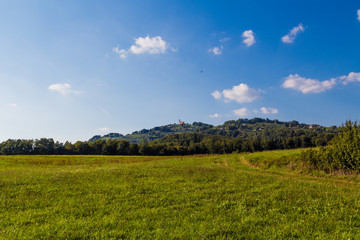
(222, 197)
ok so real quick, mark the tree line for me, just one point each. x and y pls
(176, 144)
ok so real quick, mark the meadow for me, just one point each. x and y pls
(267, 195)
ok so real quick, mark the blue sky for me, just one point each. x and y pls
(73, 69)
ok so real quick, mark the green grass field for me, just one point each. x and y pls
(238, 196)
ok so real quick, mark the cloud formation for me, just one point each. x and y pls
(351, 77)
(122, 52)
(241, 93)
(215, 115)
(63, 88)
(154, 45)
(216, 94)
(242, 112)
(290, 37)
(216, 50)
(248, 38)
(307, 85)
(265, 110)
(358, 15)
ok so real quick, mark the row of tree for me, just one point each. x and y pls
(176, 144)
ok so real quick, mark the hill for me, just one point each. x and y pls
(241, 128)
(154, 133)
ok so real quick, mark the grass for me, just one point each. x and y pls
(212, 197)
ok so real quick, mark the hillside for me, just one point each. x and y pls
(154, 133)
(241, 128)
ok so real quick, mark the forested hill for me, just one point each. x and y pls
(241, 128)
(156, 132)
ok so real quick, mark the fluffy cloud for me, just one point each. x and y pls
(242, 112)
(358, 14)
(122, 52)
(216, 94)
(352, 77)
(265, 110)
(241, 93)
(154, 45)
(290, 37)
(307, 85)
(62, 88)
(216, 50)
(215, 115)
(248, 38)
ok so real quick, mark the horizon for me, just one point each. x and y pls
(72, 70)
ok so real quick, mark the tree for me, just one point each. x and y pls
(123, 147)
(109, 148)
(44, 146)
(82, 148)
(144, 147)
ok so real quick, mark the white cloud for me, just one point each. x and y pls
(216, 50)
(242, 112)
(265, 110)
(154, 45)
(249, 38)
(241, 93)
(352, 77)
(358, 14)
(225, 39)
(290, 37)
(122, 52)
(216, 94)
(308, 85)
(63, 88)
(104, 129)
(215, 115)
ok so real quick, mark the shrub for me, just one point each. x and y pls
(343, 153)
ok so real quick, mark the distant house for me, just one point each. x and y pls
(181, 122)
(313, 126)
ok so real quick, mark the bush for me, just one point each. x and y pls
(343, 153)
